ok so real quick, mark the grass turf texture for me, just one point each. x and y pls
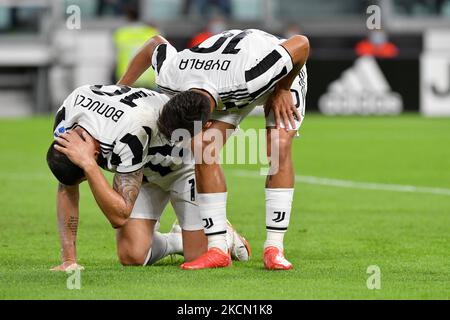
(335, 233)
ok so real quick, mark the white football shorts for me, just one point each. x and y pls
(153, 199)
(298, 90)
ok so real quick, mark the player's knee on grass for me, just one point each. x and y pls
(134, 241)
(131, 258)
(131, 255)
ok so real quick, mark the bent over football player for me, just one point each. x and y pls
(233, 72)
(114, 127)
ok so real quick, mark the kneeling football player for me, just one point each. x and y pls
(115, 128)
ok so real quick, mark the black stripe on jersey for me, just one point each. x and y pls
(72, 126)
(267, 87)
(232, 91)
(165, 150)
(297, 98)
(104, 150)
(236, 97)
(302, 77)
(163, 171)
(106, 144)
(103, 145)
(106, 147)
(161, 56)
(231, 46)
(115, 159)
(148, 131)
(239, 93)
(102, 162)
(122, 89)
(229, 105)
(219, 42)
(168, 90)
(262, 67)
(60, 116)
(135, 146)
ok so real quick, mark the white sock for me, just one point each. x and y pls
(163, 244)
(278, 214)
(230, 236)
(218, 241)
(274, 239)
(213, 211)
(174, 243)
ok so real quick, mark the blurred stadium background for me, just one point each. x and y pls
(373, 186)
(46, 50)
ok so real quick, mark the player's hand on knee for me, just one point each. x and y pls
(67, 266)
(282, 104)
(81, 150)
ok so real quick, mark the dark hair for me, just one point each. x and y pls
(62, 168)
(181, 111)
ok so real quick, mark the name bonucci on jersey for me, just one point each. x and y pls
(236, 67)
(123, 120)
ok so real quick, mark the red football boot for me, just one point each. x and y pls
(213, 258)
(274, 259)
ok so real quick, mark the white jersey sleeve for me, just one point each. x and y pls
(236, 67)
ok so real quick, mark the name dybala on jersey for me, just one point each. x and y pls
(123, 120)
(237, 67)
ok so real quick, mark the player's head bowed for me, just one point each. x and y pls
(62, 168)
(182, 111)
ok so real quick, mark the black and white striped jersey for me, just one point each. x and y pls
(120, 118)
(236, 67)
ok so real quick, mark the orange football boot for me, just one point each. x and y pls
(213, 258)
(274, 259)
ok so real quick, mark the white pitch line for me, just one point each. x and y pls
(30, 176)
(351, 184)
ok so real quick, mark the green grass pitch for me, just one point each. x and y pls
(335, 232)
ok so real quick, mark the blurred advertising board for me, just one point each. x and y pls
(361, 89)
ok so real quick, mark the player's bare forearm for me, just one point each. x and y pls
(67, 214)
(298, 48)
(116, 203)
(141, 61)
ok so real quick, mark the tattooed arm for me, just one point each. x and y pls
(117, 202)
(67, 213)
